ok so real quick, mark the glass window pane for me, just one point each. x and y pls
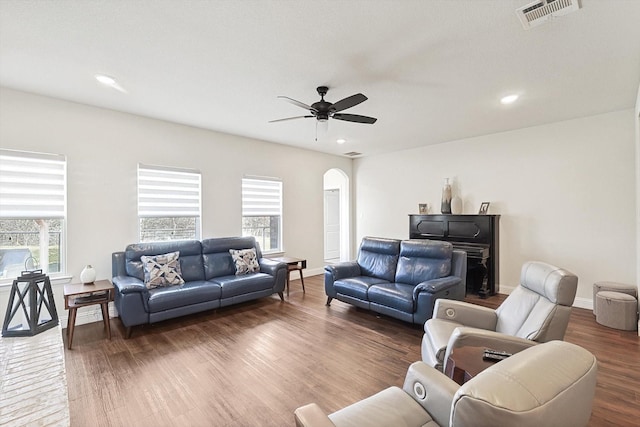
(262, 212)
(30, 243)
(168, 203)
(174, 228)
(266, 230)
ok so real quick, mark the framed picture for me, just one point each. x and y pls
(423, 208)
(484, 208)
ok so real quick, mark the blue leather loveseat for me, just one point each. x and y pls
(209, 274)
(401, 279)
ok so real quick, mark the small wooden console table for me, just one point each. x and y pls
(293, 264)
(465, 363)
(83, 295)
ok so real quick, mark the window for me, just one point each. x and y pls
(168, 203)
(262, 212)
(32, 212)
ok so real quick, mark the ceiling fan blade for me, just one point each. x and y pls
(289, 118)
(348, 102)
(355, 118)
(298, 103)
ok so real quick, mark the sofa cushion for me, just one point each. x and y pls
(190, 257)
(239, 285)
(161, 299)
(390, 407)
(422, 260)
(245, 261)
(217, 259)
(162, 270)
(356, 287)
(394, 295)
(378, 257)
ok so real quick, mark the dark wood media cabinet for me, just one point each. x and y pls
(477, 235)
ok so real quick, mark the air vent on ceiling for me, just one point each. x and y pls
(353, 154)
(541, 11)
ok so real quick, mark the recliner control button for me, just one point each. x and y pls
(419, 390)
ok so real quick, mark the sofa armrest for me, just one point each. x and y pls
(466, 314)
(436, 285)
(311, 416)
(343, 270)
(432, 390)
(270, 266)
(473, 337)
(128, 284)
(118, 264)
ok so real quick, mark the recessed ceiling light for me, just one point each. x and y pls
(509, 99)
(341, 141)
(109, 81)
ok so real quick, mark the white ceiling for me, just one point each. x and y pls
(433, 70)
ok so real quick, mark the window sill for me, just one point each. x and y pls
(55, 280)
(272, 254)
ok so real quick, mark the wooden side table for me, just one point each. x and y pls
(293, 264)
(83, 295)
(465, 363)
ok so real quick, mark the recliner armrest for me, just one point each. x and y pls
(311, 416)
(270, 266)
(128, 284)
(466, 314)
(474, 337)
(439, 390)
(343, 270)
(436, 285)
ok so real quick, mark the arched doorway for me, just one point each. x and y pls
(336, 216)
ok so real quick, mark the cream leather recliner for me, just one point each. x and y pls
(551, 384)
(536, 311)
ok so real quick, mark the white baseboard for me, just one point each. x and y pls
(578, 302)
(311, 272)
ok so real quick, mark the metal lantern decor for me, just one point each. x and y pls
(31, 308)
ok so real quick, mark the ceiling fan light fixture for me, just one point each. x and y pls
(341, 140)
(323, 110)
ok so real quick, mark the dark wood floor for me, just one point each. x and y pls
(253, 364)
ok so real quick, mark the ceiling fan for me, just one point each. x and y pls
(324, 110)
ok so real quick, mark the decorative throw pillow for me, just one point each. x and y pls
(162, 270)
(246, 261)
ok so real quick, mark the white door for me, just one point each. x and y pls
(331, 224)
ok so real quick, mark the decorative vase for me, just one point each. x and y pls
(445, 206)
(88, 275)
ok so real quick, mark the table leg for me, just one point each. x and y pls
(68, 324)
(71, 325)
(288, 279)
(302, 280)
(105, 318)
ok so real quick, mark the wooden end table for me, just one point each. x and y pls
(83, 295)
(465, 363)
(293, 264)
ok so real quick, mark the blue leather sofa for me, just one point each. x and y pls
(209, 274)
(401, 279)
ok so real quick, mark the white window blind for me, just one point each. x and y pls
(261, 197)
(167, 192)
(32, 185)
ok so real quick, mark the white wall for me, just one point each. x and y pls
(103, 148)
(637, 122)
(565, 192)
